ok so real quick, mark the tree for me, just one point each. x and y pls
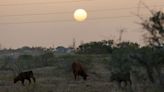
(25, 61)
(151, 57)
(120, 57)
(154, 25)
(99, 47)
(47, 57)
(128, 45)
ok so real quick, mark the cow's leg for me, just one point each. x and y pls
(74, 73)
(33, 79)
(22, 82)
(75, 76)
(78, 76)
(29, 80)
(125, 83)
(130, 82)
(119, 84)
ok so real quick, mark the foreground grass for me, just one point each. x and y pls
(58, 77)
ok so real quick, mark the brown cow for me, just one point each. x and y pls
(78, 70)
(24, 75)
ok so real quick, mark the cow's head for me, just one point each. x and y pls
(85, 76)
(16, 79)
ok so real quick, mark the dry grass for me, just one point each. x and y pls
(59, 78)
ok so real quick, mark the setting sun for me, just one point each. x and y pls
(80, 15)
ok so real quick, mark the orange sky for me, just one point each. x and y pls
(54, 23)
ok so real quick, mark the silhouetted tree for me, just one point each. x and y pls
(154, 25)
(151, 56)
(46, 57)
(120, 57)
(99, 47)
(25, 61)
(152, 60)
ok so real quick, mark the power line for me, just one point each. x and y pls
(68, 12)
(39, 3)
(112, 17)
(34, 3)
(32, 14)
(54, 21)
(124, 8)
(42, 21)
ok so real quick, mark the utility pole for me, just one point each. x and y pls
(81, 42)
(0, 47)
(74, 43)
(120, 35)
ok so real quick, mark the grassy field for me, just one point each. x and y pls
(58, 77)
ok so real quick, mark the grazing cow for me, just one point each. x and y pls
(121, 77)
(78, 70)
(24, 75)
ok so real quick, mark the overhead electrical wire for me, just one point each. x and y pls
(54, 21)
(70, 20)
(39, 3)
(68, 12)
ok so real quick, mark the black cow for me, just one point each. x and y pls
(121, 77)
(24, 75)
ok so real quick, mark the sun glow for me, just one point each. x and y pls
(80, 15)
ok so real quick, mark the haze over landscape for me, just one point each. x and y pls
(81, 46)
(50, 22)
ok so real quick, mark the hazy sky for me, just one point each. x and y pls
(50, 22)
